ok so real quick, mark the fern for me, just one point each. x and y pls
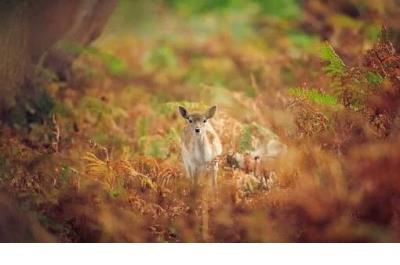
(107, 172)
(171, 107)
(336, 66)
(156, 147)
(142, 127)
(99, 169)
(314, 96)
(374, 78)
(245, 139)
(131, 171)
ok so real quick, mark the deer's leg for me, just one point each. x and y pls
(188, 172)
(214, 182)
(193, 191)
(256, 162)
(192, 175)
(196, 173)
(214, 175)
(186, 163)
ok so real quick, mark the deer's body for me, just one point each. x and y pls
(200, 146)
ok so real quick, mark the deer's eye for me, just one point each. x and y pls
(190, 120)
(205, 120)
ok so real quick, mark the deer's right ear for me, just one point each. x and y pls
(183, 112)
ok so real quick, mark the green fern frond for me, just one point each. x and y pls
(374, 78)
(336, 66)
(314, 96)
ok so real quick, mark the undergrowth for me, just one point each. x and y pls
(105, 164)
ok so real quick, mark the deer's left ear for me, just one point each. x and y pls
(210, 112)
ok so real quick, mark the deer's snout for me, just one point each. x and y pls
(197, 130)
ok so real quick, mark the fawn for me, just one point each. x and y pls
(200, 145)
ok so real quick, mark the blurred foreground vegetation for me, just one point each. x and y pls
(98, 158)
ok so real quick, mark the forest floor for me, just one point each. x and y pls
(105, 166)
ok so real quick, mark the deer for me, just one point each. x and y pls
(200, 146)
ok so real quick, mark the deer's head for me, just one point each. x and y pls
(197, 122)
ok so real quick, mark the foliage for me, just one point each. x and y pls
(374, 78)
(172, 107)
(245, 141)
(286, 9)
(335, 66)
(161, 57)
(103, 164)
(313, 95)
(113, 64)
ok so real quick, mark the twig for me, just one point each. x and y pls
(56, 132)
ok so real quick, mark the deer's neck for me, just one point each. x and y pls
(201, 145)
(202, 140)
(203, 148)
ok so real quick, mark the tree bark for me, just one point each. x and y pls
(89, 22)
(31, 28)
(14, 52)
(392, 21)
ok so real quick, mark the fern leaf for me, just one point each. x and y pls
(313, 95)
(336, 66)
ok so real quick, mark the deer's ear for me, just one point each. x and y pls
(210, 112)
(183, 112)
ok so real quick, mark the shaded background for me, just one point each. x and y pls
(89, 147)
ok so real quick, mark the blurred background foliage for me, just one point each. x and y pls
(95, 155)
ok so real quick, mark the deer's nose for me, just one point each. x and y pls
(197, 130)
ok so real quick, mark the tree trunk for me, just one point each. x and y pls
(392, 21)
(14, 52)
(88, 24)
(31, 28)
